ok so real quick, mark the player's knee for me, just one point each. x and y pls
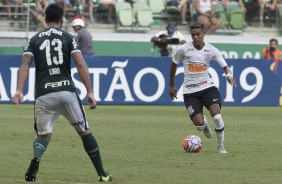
(46, 136)
(198, 120)
(83, 133)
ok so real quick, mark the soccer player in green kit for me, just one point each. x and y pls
(55, 93)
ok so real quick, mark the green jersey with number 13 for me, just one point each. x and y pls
(51, 50)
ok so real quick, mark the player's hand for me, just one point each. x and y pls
(231, 81)
(172, 93)
(17, 98)
(91, 101)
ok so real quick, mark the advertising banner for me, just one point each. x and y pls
(145, 81)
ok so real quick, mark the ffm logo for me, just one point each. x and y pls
(197, 68)
(57, 84)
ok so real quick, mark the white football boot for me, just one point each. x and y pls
(221, 149)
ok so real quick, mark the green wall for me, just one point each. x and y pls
(128, 48)
(116, 48)
(10, 50)
(104, 48)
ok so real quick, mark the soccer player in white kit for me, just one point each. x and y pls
(199, 89)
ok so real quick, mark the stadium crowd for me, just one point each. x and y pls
(215, 14)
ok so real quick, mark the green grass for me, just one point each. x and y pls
(143, 145)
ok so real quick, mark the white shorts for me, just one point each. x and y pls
(48, 108)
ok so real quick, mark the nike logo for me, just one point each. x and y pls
(214, 100)
(188, 57)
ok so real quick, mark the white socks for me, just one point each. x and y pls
(219, 128)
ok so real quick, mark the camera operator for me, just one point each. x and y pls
(168, 40)
(272, 51)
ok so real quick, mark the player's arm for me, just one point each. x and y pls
(83, 72)
(229, 76)
(221, 61)
(172, 89)
(178, 56)
(23, 72)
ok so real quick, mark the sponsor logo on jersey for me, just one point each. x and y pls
(51, 31)
(208, 57)
(187, 57)
(197, 84)
(57, 84)
(197, 68)
(54, 71)
(74, 43)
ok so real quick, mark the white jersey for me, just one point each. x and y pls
(196, 66)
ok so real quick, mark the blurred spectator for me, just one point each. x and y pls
(15, 4)
(205, 14)
(168, 40)
(252, 8)
(38, 12)
(226, 3)
(271, 51)
(83, 36)
(110, 4)
(182, 6)
(90, 9)
(267, 9)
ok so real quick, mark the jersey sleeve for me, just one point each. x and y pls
(178, 56)
(219, 58)
(74, 45)
(28, 48)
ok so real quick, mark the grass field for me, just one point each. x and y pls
(142, 145)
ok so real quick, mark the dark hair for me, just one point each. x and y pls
(197, 25)
(273, 40)
(54, 13)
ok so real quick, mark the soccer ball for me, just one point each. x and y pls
(192, 144)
